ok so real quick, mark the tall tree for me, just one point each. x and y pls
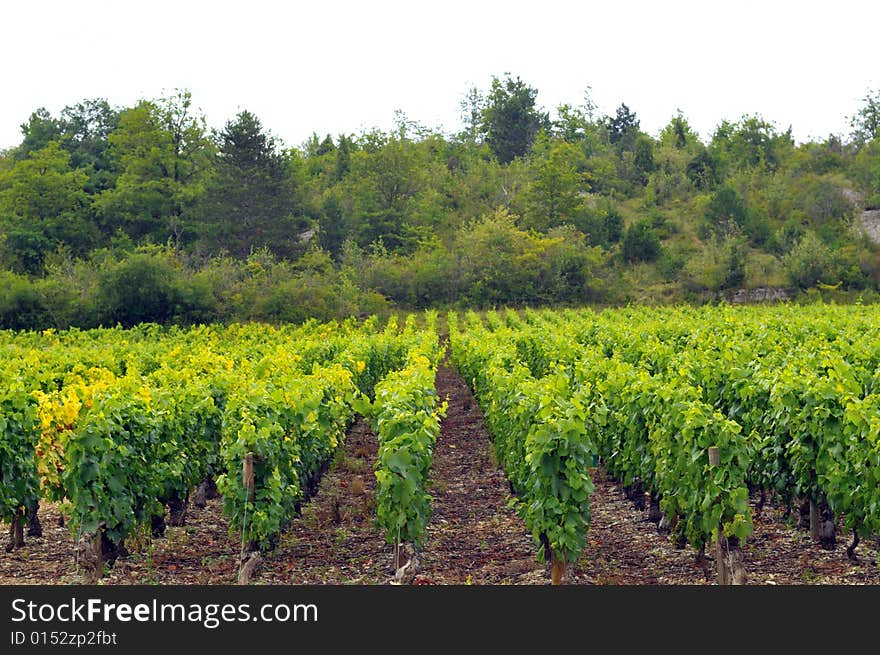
(40, 129)
(42, 205)
(751, 142)
(623, 127)
(162, 154)
(555, 192)
(679, 134)
(472, 106)
(866, 123)
(251, 200)
(86, 128)
(511, 118)
(387, 182)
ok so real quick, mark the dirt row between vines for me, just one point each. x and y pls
(474, 537)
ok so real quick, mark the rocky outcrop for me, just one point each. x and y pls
(867, 219)
(761, 294)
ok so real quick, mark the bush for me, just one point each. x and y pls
(734, 265)
(641, 243)
(322, 296)
(810, 262)
(824, 202)
(139, 289)
(669, 265)
(20, 304)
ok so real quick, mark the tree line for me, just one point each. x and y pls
(129, 214)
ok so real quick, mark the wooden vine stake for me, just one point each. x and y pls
(728, 556)
(16, 533)
(557, 569)
(720, 559)
(397, 555)
(250, 560)
(247, 475)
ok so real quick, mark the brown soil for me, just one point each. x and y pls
(472, 538)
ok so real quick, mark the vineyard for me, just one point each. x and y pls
(458, 448)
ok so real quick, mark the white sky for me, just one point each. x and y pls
(341, 67)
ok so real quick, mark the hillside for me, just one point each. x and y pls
(129, 214)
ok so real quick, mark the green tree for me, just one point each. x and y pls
(511, 119)
(574, 124)
(726, 213)
(750, 143)
(554, 195)
(643, 158)
(640, 242)
(702, 170)
(86, 128)
(251, 200)
(385, 186)
(43, 204)
(326, 146)
(141, 288)
(733, 264)
(623, 127)
(809, 262)
(343, 157)
(472, 106)
(679, 134)
(865, 171)
(163, 155)
(332, 228)
(40, 129)
(866, 123)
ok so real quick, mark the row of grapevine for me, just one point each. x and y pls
(802, 383)
(115, 424)
(542, 435)
(787, 395)
(406, 414)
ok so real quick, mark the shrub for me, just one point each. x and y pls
(139, 289)
(20, 304)
(640, 242)
(809, 262)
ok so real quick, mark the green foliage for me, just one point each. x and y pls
(749, 143)
(726, 212)
(554, 197)
(670, 264)
(809, 262)
(511, 119)
(21, 306)
(678, 133)
(163, 155)
(865, 171)
(292, 424)
(866, 122)
(702, 170)
(406, 415)
(19, 483)
(43, 205)
(89, 186)
(640, 242)
(540, 434)
(250, 200)
(107, 474)
(734, 265)
(823, 202)
(141, 288)
(623, 127)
